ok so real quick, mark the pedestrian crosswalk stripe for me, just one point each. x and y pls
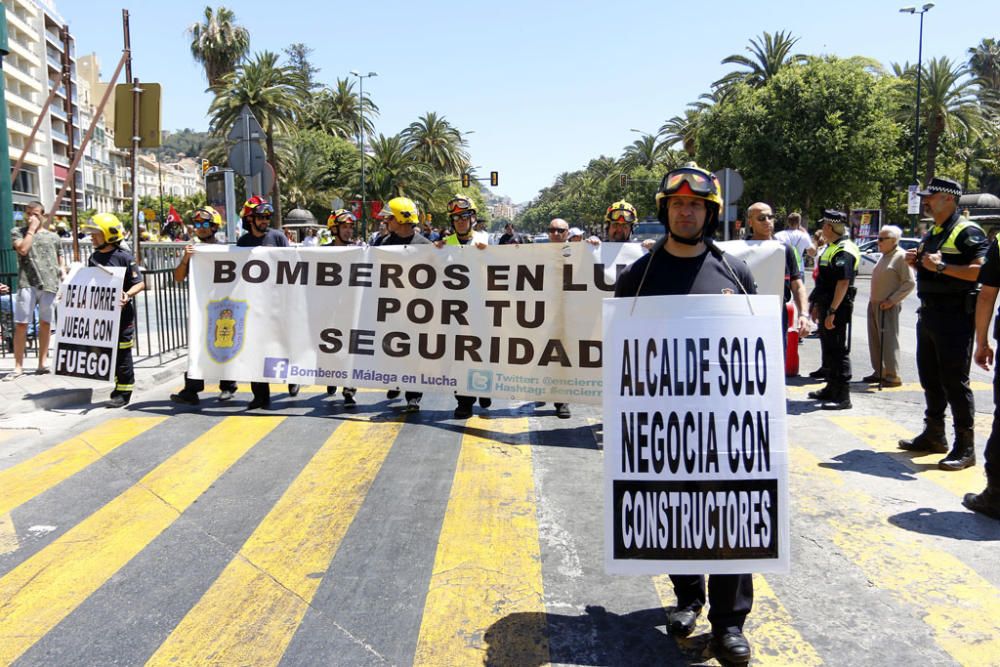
(883, 435)
(43, 590)
(8, 535)
(251, 612)
(960, 607)
(30, 478)
(488, 562)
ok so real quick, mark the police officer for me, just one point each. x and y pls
(988, 502)
(831, 305)
(687, 261)
(341, 225)
(206, 222)
(462, 215)
(106, 233)
(947, 261)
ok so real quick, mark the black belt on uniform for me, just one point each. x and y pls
(954, 301)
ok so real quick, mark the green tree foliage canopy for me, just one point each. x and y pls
(817, 134)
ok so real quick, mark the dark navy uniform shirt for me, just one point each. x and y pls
(669, 274)
(971, 244)
(120, 257)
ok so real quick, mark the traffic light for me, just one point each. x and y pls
(494, 178)
(205, 166)
(623, 179)
(465, 180)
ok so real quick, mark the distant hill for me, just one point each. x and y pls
(181, 143)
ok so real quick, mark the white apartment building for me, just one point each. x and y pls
(103, 177)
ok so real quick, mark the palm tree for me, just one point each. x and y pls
(218, 43)
(984, 61)
(344, 103)
(320, 114)
(397, 173)
(272, 93)
(438, 143)
(645, 152)
(304, 175)
(949, 105)
(769, 55)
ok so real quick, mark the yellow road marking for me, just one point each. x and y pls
(960, 607)
(488, 562)
(47, 587)
(31, 478)
(251, 612)
(8, 535)
(769, 627)
(883, 435)
(797, 391)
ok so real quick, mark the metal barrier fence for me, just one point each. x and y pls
(161, 310)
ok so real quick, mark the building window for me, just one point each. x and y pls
(26, 181)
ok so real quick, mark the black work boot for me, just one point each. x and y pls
(963, 454)
(987, 502)
(931, 440)
(840, 398)
(824, 394)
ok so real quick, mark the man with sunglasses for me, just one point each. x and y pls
(832, 302)
(687, 261)
(403, 219)
(341, 224)
(256, 215)
(462, 214)
(559, 233)
(206, 222)
(761, 219)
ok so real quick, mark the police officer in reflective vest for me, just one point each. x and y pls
(832, 304)
(947, 262)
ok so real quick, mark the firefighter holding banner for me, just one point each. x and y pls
(687, 261)
(341, 225)
(106, 233)
(832, 304)
(462, 214)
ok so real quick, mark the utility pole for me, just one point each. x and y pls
(7, 263)
(67, 76)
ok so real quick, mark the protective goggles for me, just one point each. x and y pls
(621, 215)
(262, 211)
(456, 205)
(201, 215)
(700, 184)
(202, 224)
(343, 219)
(467, 215)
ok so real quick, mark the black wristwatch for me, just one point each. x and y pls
(941, 266)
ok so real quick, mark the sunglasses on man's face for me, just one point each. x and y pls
(462, 216)
(202, 224)
(764, 216)
(557, 230)
(262, 216)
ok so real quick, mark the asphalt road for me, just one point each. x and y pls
(310, 534)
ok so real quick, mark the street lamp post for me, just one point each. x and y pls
(361, 110)
(916, 127)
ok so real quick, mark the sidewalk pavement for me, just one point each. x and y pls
(34, 393)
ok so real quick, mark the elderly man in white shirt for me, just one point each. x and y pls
(892, 281)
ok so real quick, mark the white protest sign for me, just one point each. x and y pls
(695, 453)
(508, 322)
(89, 317)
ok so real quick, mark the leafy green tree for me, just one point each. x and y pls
(318, 169)
(218, 43)
(298, 58)
(396, 172)
(769, 55)
(272, 92)
(814, 135)
(984, 61)
(346, 106)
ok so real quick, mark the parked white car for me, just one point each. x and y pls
(870, 254)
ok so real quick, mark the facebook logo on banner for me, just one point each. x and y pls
(275, 368)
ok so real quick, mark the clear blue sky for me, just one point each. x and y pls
(545, 85)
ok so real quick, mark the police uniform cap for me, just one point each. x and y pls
(939, 184)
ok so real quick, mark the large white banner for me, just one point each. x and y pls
(89, 316)
(514, 322)
(695, 454)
